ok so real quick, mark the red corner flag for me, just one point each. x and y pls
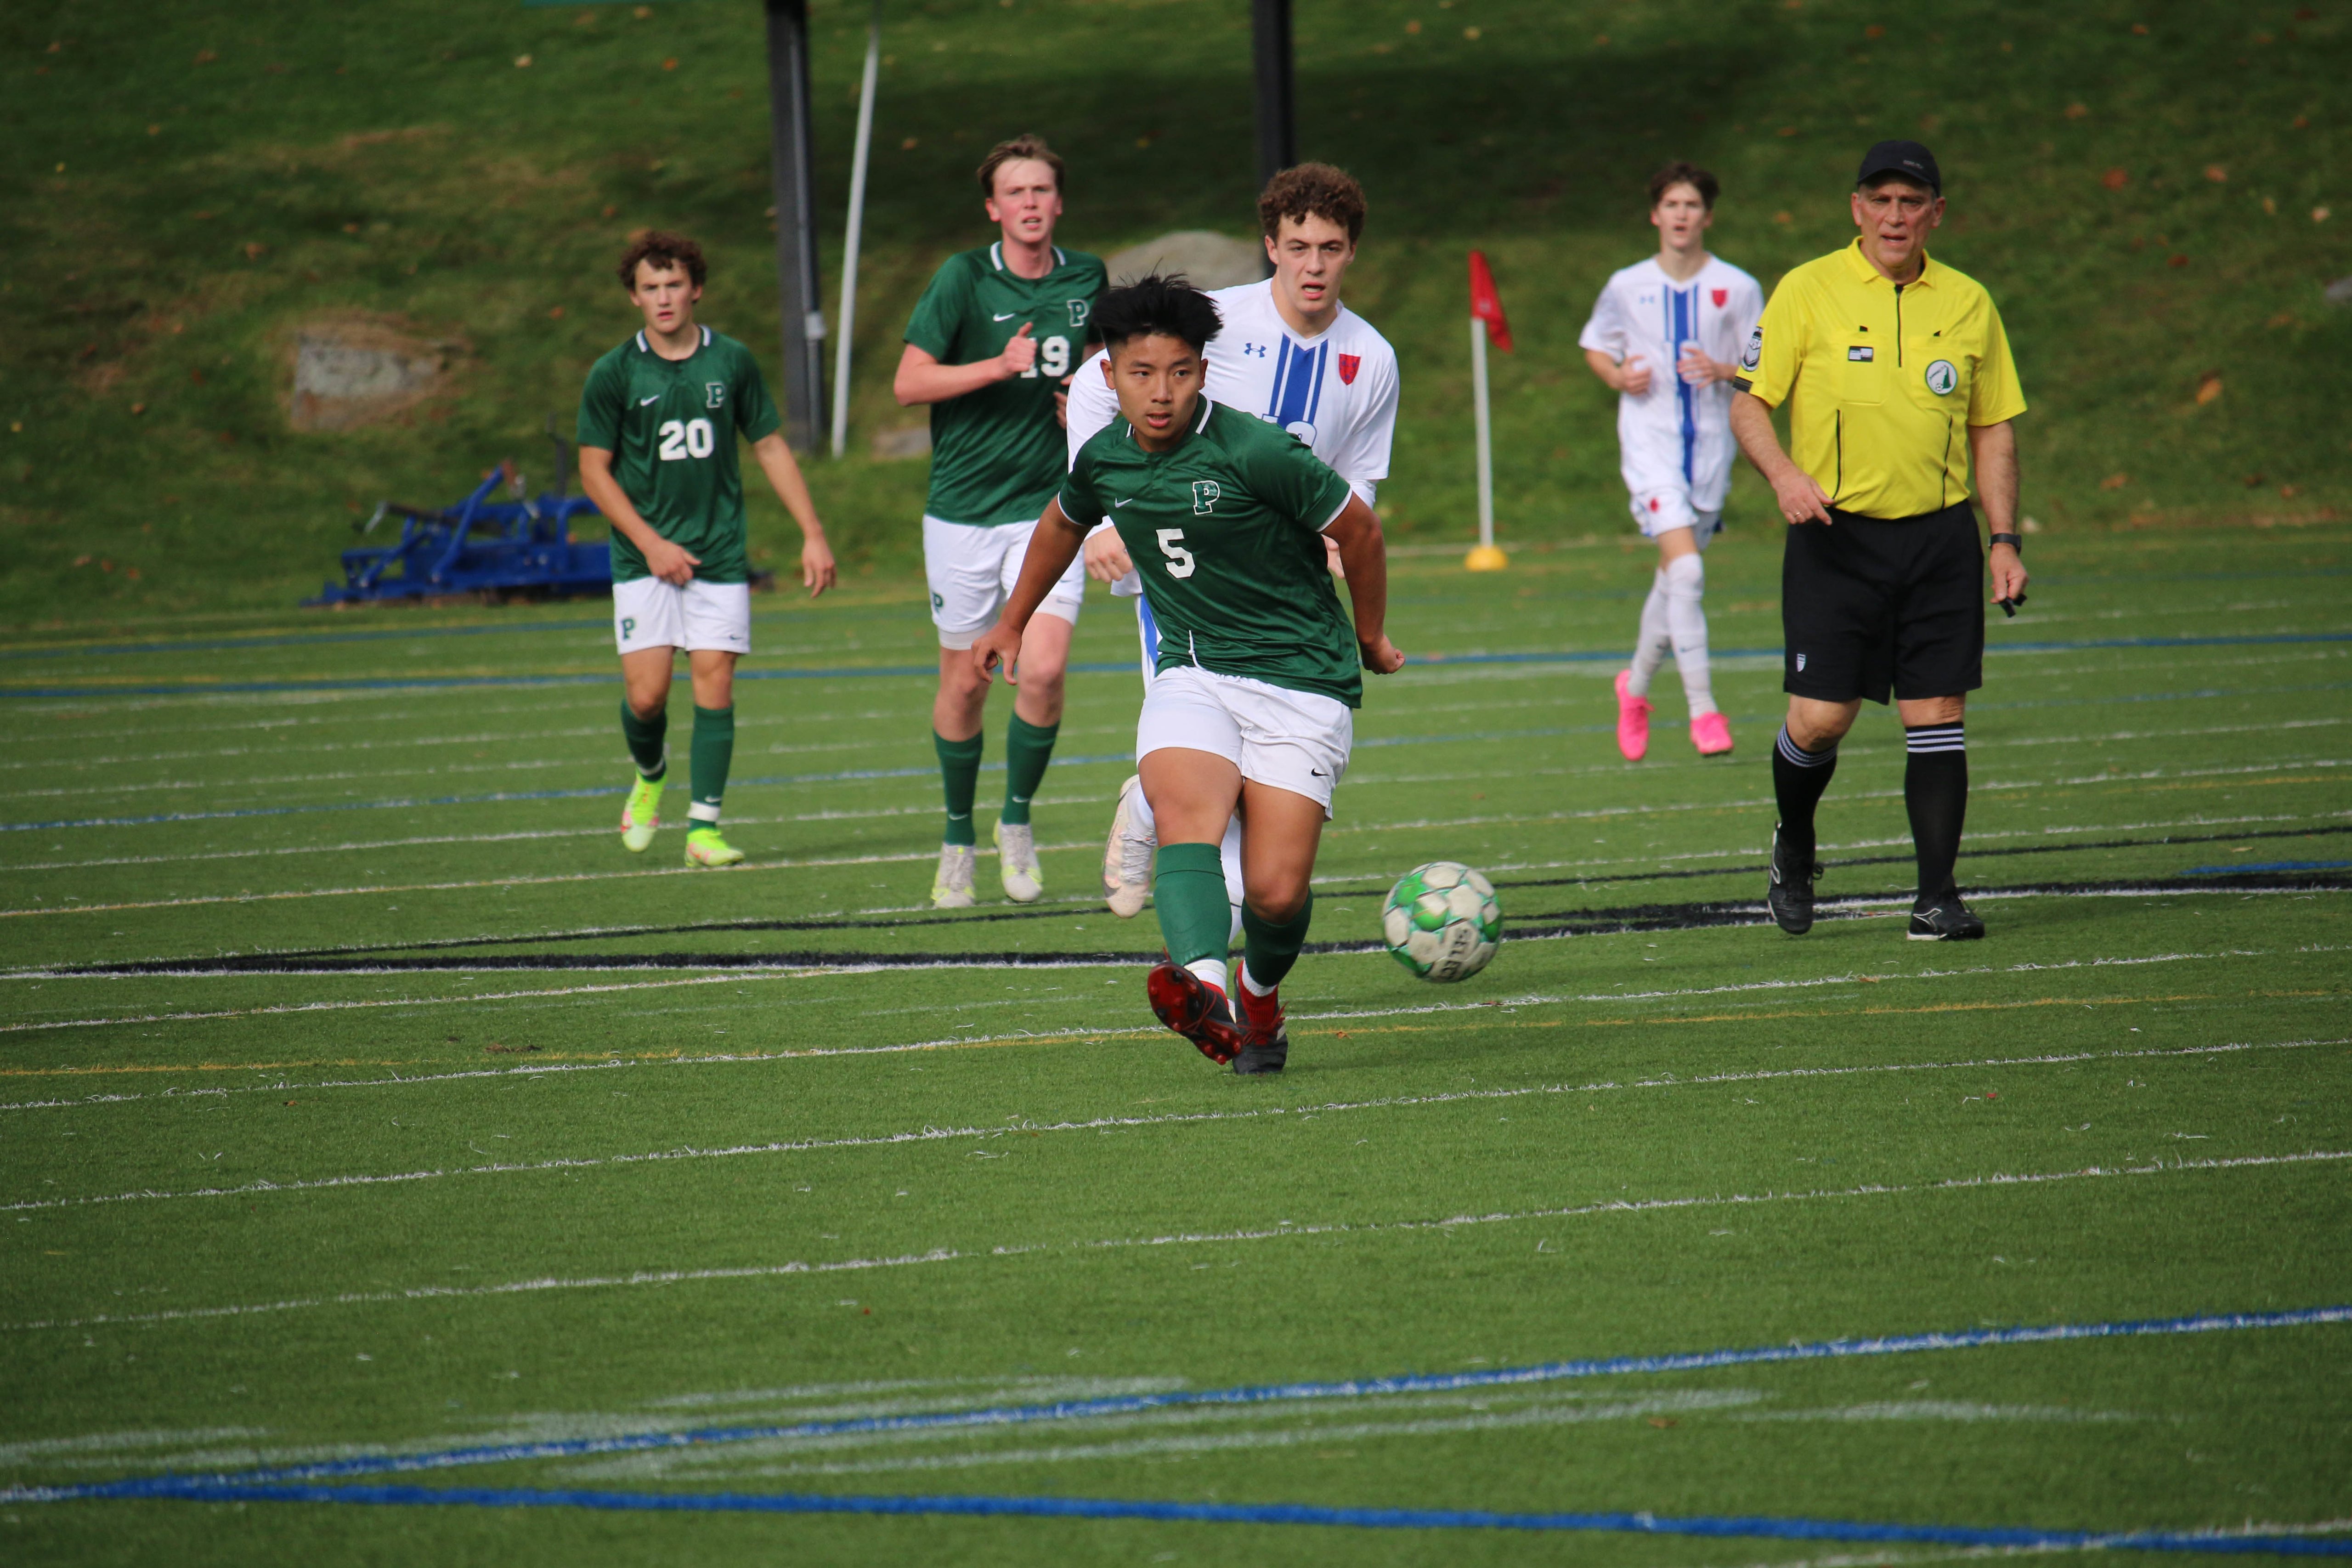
(1488, 305)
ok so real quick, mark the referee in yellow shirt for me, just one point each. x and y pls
(1896, 374)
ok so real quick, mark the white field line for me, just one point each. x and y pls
(929, 1134)
(1394, 826)
(1283, 1232)
(930, 809)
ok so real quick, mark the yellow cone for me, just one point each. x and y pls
(1486, 558)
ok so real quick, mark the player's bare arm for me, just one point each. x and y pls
(1051, 549)
(1632, 376)
(921, 378)
(1363, 555)
(776, 461)
(1793, 490)
(1993, 449)
(670, 562)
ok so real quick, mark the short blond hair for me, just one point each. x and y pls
(1025, 145)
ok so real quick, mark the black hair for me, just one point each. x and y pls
(1682, 171)
(1156, 306)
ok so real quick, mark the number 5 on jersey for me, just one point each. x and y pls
(686, 439)
(1172, 545)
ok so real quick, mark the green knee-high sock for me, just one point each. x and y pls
(714, 754)
(959, 772)
(648, 740)
(1269, 950)
(1027, 749)
(1188, 887)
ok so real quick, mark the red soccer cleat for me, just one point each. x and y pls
(1632, 720)
(1194, 1009)
(1265, 1041)
(1711, 733)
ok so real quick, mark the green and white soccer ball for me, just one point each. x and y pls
(1443, 921)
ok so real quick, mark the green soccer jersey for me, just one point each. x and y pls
(671, 427)
(1227, 527)
(997, 453)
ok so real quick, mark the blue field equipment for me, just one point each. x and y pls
(480, 547)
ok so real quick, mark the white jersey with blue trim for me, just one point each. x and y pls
(1675, 435)
(1336, 392)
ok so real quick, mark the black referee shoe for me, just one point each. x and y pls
(1945, 919)
(1790, 893)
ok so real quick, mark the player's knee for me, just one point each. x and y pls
(1277, 900)
(1685, 574)
(1814, 724)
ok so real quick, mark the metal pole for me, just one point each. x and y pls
(1277, 139)
(854, 232)
(1486, 435)
(796, 285)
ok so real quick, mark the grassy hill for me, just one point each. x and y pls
(2146, 190)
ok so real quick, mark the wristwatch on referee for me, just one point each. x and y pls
(2013, 540)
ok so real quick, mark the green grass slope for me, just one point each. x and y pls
(189, 183)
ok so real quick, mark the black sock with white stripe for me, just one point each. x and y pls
(1936, 790)
(1798, 778)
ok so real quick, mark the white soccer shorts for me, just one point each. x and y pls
(971, 573)
(650, 613)
(1663, 510)
(1297, 741)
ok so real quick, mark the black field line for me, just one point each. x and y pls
(1282, 1231)
(1064, 910)
(741, 978)
(1550, 924)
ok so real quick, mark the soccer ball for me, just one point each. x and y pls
(1443, 921)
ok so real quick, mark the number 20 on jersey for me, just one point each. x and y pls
(683, 439)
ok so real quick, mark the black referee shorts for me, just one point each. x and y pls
(1868, 605)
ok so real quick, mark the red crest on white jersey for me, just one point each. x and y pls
(1349, 365)
(1719, 296)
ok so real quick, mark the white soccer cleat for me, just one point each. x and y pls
(1127, 857)
(1016, 862)
(952, 888)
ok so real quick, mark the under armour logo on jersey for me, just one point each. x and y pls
(714, 395)
(1256, 351)
(1206, 494)
(1349, 365)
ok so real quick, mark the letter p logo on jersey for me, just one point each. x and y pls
(1205, 497)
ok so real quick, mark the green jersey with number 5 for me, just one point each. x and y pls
(997, 453)
(1226, 529)
(671, 427)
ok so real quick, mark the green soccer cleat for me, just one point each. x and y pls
(705, 848)
(642, 815)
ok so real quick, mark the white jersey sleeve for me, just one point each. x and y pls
(1606, 331)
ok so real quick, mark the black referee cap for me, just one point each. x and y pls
(1909, 159)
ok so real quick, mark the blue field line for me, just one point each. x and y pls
(292, 639)
(853, 672)
(2267, 865)
(1633, 1524)
(1001, 1416)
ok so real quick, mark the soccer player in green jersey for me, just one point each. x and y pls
(1258, 670)
(992, 342)
(658, 424)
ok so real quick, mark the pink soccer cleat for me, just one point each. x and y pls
(1711, 733)
(1633, 720)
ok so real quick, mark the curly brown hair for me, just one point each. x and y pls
(1312, 190)
(1025, 145)
(1683, 172)
(665, 251)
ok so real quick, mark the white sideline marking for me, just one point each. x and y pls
(929, 1134)
(1283, 1232)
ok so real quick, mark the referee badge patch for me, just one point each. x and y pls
(1862, 352)
(1942, 377)
(1753, 354)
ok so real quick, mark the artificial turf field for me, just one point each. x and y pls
(363, 1098)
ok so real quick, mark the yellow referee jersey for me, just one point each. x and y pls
(1883, 380)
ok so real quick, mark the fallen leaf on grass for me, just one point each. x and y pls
(2209, 386)
(2076, 110)
(2114, 481)
(1662, 1421)
(2114, 179)
(2217, 173)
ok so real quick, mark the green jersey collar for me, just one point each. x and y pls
(645, 348)
(996, 258)
(1199, 424)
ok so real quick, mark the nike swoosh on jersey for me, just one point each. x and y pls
(643, 401)
(1122, 502)
(1008, 315)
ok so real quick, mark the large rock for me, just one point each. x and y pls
(355, 371)
(1207, 259)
